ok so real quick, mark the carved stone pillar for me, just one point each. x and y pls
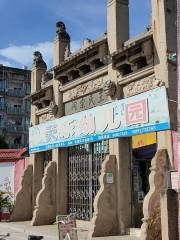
(45, 210)
(61, 44)
(151, 227)
(39, 67)
(104, 221)
(22, 210)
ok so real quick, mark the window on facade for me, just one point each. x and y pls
(17, 106)
(28, 88)
(1, 100)
(27, 121)
(2, 84)
(18, 122)
(17, 140)
(17, 88)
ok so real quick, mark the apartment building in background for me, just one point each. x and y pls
(14, 105)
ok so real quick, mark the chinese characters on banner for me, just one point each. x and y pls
(137, 112)
(146, 112)
(7, 177)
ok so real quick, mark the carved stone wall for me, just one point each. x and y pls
(141, 86)
(151, 207)
(45, 117)
(104, 221)
(23, 205)
(45, 210)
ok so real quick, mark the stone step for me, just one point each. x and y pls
(135, 232)
(126, 237)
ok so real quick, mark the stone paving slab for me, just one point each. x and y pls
(20, 231)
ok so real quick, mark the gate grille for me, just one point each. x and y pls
(84, 165)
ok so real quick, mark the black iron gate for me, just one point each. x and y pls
(84, 165)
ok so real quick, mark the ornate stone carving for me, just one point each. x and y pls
(45, 117)
(141, 86)
(109, 88)
(86, 102)
(38, 61)
(61, 31)
(84, 89)
(45, 210)
(53, 108)
(46, 77)
(22, 210)
(104, 221)
(158, 183)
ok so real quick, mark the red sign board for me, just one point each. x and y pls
(136, 112)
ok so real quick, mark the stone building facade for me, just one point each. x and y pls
(98, 176)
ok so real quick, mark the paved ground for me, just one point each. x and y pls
(21, 230)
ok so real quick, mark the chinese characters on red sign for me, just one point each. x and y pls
(137, 112)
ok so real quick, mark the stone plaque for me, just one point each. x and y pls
(141, 86)
(85, 88)
(86, 102)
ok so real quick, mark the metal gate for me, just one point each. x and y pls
(84, 165)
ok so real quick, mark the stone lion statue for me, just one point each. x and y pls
(61, 31)
(38, 60)
(60, 27)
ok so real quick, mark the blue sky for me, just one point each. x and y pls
(29, 25)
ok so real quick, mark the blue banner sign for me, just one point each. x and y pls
(146, 112)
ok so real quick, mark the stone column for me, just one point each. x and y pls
(117, 34)
(122, 150)
(62, 175)
(38, 167)
(117, 23)
(38, 69)
(164, 15)
(61, 44)
(169, 214)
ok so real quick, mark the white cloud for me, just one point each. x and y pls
(6, 63)
(75, 45)
(24, 54)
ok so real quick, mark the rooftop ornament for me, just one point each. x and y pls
(38, 61)
(61, 31)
